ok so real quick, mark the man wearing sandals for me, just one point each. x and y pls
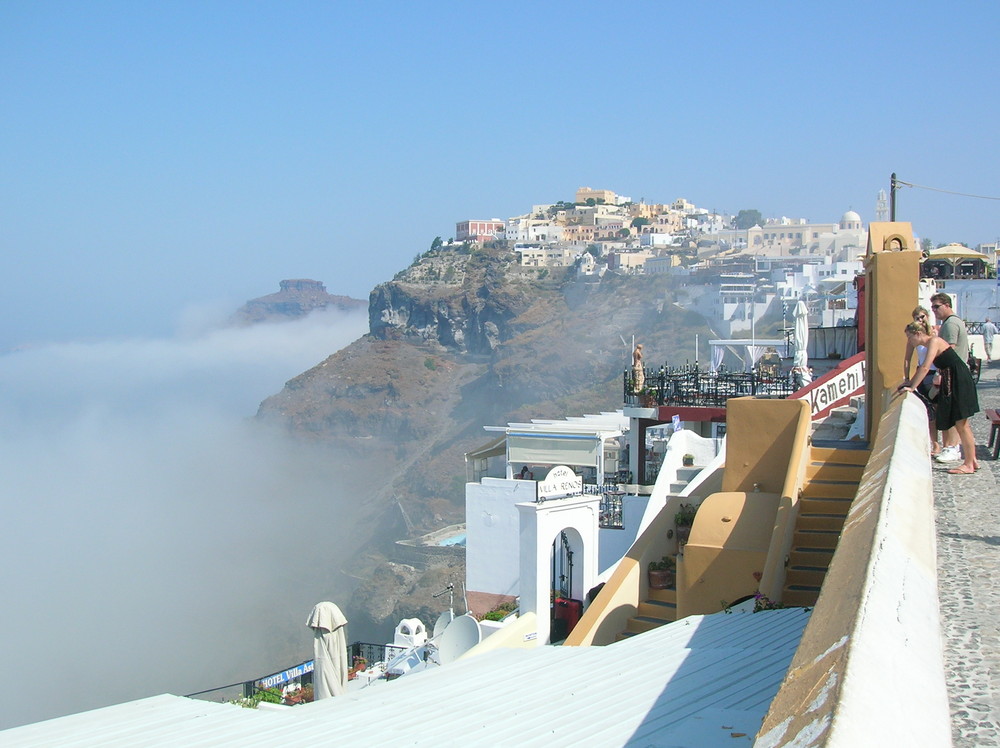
(952, 330)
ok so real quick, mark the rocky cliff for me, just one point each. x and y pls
(295, 298)
(462, 302)
(458, 341)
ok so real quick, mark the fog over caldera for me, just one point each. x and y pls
(157, 538)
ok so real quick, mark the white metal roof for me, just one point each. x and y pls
(701, 681)
(597, 424)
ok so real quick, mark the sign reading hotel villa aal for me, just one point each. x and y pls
(560, 482)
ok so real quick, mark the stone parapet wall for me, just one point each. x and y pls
(406, 552)
(870, 668)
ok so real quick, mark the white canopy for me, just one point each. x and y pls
(752, 349)
(800, 360)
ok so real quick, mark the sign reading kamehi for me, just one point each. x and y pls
(837, 390)
(561, 481)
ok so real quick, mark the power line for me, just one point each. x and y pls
(947, 192)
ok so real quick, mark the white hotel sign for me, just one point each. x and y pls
(560, 482)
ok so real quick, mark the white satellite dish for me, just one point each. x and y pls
(461, 636)
(442, 622)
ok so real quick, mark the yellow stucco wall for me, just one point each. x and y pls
(892, 267)
(761, 435)
(729, 543)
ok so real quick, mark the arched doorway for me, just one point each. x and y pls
(565, 582)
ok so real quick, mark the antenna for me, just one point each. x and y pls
(450, 591)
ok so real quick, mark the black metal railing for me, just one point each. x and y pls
(691, 385)
(610, 510)
(373, 652)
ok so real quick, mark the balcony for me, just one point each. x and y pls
(691, 386)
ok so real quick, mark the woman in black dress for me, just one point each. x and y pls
(957, 399)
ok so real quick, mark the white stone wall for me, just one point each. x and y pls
(492, 534)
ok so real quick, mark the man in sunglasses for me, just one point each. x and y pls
(952, 330)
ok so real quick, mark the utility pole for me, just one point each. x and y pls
(892, 197)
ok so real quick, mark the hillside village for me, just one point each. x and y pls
(752, 265)
(752, 261)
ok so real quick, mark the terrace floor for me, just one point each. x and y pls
(968, 538)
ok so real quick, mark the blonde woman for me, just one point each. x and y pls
(957, 400)
(927, 389)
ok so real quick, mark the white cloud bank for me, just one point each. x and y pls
(157, 539)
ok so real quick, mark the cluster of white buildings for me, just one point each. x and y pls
(735, 275)
(641, 237)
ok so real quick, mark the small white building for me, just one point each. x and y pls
(538, 483)
(539, 523)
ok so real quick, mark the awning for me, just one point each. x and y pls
(579, 450)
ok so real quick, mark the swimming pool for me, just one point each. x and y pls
(453, 540)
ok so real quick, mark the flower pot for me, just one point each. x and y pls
(688, 461)
(662, 579)
(683, 533)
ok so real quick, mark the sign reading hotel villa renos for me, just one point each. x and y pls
(561, 481)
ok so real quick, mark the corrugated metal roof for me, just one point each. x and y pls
(603, 423)
(696, 682)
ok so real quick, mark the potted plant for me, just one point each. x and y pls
(663, 573)
(683, 520)
(360, 664)
(687, 460)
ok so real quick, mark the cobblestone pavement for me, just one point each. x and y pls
(968, 538)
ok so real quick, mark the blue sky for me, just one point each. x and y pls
(159, 157)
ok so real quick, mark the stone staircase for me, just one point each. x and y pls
(661, 606)
(684, 476)
(832, 479)
(837, 425)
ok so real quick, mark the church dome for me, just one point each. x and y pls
(850, 220)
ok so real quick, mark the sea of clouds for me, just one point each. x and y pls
(157, 538)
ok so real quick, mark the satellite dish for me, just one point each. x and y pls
(442, 622)
(461, 636)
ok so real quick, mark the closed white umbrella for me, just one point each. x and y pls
(329, 650)
(800, 361)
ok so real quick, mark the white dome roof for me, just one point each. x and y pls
(850, 217)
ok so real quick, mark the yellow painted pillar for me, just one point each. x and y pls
(892, 273)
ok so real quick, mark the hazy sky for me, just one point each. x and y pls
(158, 155)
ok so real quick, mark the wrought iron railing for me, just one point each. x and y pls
(690, 385)
(611, 504)
(610, 512)
(373, 652)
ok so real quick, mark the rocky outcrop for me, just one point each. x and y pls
(295, 298)
(463, 303)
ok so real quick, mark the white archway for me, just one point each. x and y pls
(542, 524)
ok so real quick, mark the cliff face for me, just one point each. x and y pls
(458, 342)
(463, 303)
